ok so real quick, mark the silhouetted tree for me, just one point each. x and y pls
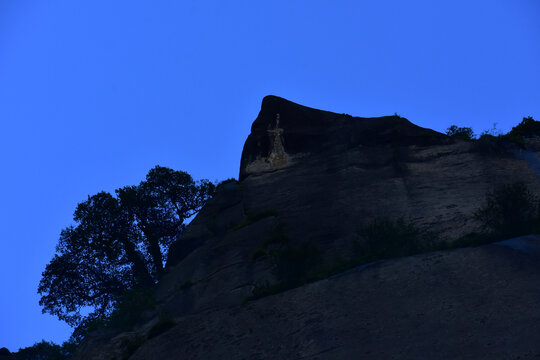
(527, 127)
(118, 243)
(464, 133)
(510, 210)
(45, 350)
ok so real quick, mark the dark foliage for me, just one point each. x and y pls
(294, 265)
(528, 127)
(500, 145)
(45, 350)
(118, 243)
(384, 239)
(125, 315)
(463, 133)
(495, 143)
(130, 304)
(276, 237)
(298, 265)
(510, 210)
(227, 181)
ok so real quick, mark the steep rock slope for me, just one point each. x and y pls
(472, 303)
(317, 176)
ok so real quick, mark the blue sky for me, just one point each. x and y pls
(95, 93)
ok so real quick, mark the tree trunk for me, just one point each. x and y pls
(140, 270)
(157, 256)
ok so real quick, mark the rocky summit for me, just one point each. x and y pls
(308, 180)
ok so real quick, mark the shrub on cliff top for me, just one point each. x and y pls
(526, 128)
(501, 145)
(463, 133)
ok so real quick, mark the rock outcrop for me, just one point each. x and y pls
(317, 176)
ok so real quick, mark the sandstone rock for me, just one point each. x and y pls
(471, 303)
(284, 131)
(343, 171)
(318, 176)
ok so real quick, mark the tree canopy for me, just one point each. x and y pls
(463, 133)
(45, 350)
(528, 127)
(118, 242)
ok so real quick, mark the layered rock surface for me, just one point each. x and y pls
(318, 176)
(473, 303)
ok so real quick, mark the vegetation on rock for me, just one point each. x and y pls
(116, 252)
(494, 142)
(463, 133)
(498, 144)
(45, 350)
(510, 210)
(386, 238)
(293, 265)
(528, 127)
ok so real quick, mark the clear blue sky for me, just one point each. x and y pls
(95, 93)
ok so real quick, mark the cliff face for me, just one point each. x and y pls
(471, 303)
(327, 173)
(317, 176)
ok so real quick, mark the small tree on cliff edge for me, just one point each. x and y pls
(463, 133)
(118, 243)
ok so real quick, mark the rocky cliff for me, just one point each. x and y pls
(314, 177)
